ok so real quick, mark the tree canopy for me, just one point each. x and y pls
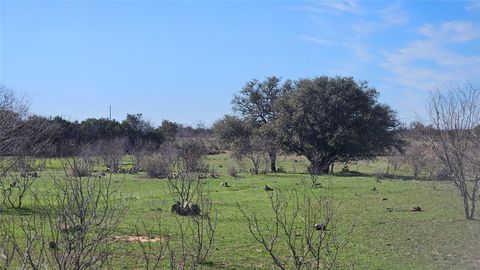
(329, 119)
(256, 104)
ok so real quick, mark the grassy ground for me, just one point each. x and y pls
(437, 238)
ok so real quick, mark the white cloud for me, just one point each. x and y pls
(453, 31)
(320, 41)
(426, 64)
(358, 50)
(364, 28)
(394, 15)
(350, 6)
(474, 5)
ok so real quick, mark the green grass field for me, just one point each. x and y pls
(437, 238)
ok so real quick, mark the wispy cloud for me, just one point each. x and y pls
(454, 31)
(358, 50)
(364, 28)
(474, 5)
(350, 6)
(320, 41)
(427, 63)
(394, 15)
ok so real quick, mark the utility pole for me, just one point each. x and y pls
(110, 114)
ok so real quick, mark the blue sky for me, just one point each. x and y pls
(183, 61)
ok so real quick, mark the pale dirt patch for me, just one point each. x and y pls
(140, 238)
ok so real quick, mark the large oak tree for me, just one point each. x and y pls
(330, 119)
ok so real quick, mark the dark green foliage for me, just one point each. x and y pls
(256, 103)
(335, 119)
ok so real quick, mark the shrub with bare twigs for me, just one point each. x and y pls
(304, 223)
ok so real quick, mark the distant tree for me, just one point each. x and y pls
(66, 138)
(335, 119)
(93, 129)
(169, 130)
(256, 103)
(244, 140)
(140, 131)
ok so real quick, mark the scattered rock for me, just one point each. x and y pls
(320, 227)
(224, 184)
(267, 188)
(416, 209)
(187, 209)
(384, 199)
(390, 209)
(52, 244)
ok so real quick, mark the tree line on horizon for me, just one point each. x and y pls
(325, 119)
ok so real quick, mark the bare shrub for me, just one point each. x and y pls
(196, 217)
(192, 155)
(72, 227)
(395, 160)
(454, 137)
(184, 180)
(21, 140)
(159, 164)
(232, 171)
(197, 234)
(418, 157)
(150, 244)
(304, 223)
(17, 184)
(80, 166)
(111, 152)
(83, 221)
(154, 167)
(214, 172)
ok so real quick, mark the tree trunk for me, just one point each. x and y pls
(273, 160)
(470, 215)
(318, 166)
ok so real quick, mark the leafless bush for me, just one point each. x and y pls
(197, 218)
(72, 228)
(80, 166)
(152, 244)
(454, 137)
(184, 181)
(13, 109)
(82, 221)
(29, 249)
(111, 152)
(232, 171)
(395, 160)
(192, 155)
(160, 163)
(214, 172)
(20, 143)
(304, 223)
(197, 234)
(418, 157)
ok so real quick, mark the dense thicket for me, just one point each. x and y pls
(21, 132)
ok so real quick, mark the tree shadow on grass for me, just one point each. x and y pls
(381, 176)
